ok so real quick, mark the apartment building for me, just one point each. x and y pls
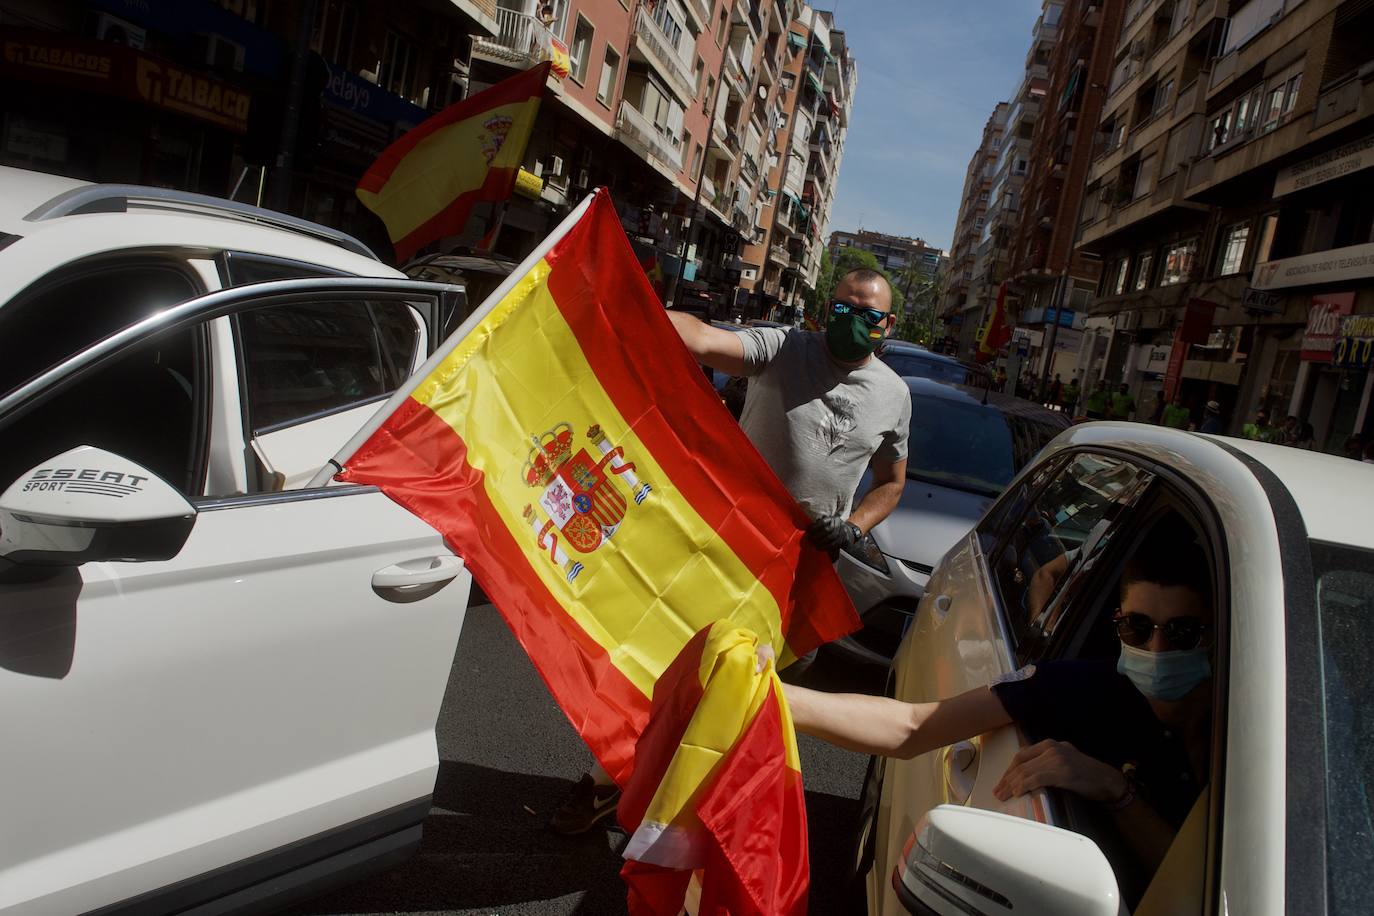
(1053, 282)
(804, 145)
(660, 95)
(1233, 212)
(959, 315)
(896, 254)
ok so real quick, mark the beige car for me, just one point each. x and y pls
(1283, 821)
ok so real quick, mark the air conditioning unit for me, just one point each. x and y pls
(116, 30)
(221, 53)
(556, 168)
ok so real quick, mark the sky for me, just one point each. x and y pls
(930, 72)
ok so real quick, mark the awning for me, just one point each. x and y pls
(1072, 85)
(796, 41)
(815, 82)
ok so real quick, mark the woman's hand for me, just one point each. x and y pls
(1060, 765)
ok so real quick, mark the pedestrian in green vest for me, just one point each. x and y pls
(1070, 397)
(1259, 429)
(1097, 401)
(1175, 414)
(1123, 405)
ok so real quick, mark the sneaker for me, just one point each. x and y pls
(587, 805)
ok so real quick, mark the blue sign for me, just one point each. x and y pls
(355, 94)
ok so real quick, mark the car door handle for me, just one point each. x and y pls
(423, 571)
(961, 769)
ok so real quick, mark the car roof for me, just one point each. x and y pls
(907, 348)
(23, 191)
(1335, 495)
(981, 397)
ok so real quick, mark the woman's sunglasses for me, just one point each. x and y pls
(871, 316)
(1135, 630)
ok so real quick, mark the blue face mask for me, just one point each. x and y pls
(1164, 675)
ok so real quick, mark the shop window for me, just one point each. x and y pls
(1178, 263)
(1231, 254)
(610, 71)
(580, 51)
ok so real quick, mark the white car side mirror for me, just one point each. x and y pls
(966, 860)
(88, 505)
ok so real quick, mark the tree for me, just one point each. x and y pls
(922, 294)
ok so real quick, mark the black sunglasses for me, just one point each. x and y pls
(872, 316)
(1184, 632)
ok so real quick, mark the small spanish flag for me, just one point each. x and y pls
(558, 58)
(997, 331)
(425, 184)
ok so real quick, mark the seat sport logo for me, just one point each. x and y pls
(578, 494)
(115, 484)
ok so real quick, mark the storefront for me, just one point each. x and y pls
(110, 112)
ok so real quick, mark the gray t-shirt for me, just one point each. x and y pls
(816, 423)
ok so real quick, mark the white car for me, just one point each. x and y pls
(1285, 820)
(218, 685)
(966, 444)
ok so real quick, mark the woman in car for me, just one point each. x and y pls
(1130, 733)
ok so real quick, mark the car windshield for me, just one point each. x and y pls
(965, 446)
(1345, 612)
(908, 365)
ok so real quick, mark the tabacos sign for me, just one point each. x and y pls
(168, 86)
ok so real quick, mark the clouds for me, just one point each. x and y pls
(929, 76)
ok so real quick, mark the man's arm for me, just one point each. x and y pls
(891, 728)
(889, 477)
(717, 348)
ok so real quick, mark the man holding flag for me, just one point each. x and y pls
(650, 584)
(820, 410)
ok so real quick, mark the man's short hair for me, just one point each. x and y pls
(1170, 556)
(865, 275)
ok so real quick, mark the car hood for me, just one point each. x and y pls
(928, 520)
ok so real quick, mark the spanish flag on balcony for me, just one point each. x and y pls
(997, 331)
(571, 451)
(425, 184)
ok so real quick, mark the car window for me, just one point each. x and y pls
(239, 269)
(1345, 613)
(147, 406)
(1064, 524)
(910, 366)
(305, 360)
(71, 309)
(966, 446)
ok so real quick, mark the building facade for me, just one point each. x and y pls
(962, 313)
(680, 107)
(1234, 219)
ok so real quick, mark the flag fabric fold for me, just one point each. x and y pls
(425, 184)
(570, 449)
(715, 807)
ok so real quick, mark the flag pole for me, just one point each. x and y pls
(335, 464)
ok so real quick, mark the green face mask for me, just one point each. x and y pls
(850, 338)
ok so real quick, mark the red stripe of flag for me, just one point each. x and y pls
(421, 463)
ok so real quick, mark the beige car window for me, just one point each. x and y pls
(1066, 525)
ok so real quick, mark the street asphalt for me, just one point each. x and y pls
(508, 758)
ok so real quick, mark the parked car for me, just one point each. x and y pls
(912, 361)
(1282, 821)
(478, 273)
(966, 444)
(218, 685)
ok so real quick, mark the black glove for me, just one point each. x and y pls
(832, 533)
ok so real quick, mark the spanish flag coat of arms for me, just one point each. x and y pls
(571, 451)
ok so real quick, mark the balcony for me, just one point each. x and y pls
(724, 144)
(749, 169)
(700, 11)
(777, 254)
(644, 137)
(654, 49)
(520, 40)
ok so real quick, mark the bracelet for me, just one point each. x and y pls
(1126, 800)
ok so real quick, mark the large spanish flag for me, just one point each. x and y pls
(997, 331)
(571, 451)
(425, 184)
